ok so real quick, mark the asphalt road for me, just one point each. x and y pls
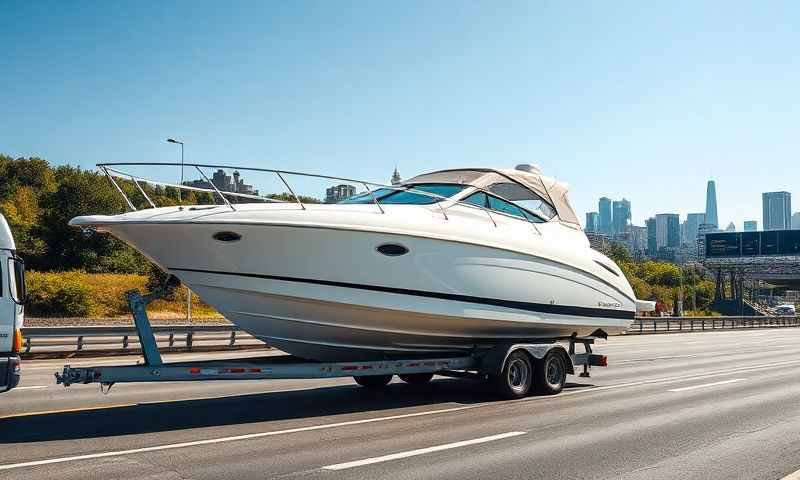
(700, 405)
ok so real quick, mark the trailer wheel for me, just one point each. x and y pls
(550, 373)
(416, 378)
(516, 378)
(373, 381)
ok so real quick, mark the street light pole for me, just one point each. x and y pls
(180, 197)
(172, 140)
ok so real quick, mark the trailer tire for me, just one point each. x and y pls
(550, 373)
(373, 381)
(516, 377)
(416, 378)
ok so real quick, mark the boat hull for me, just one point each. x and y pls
(327, 293)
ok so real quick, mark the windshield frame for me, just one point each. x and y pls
(470, 192)
(379, 195)
(16, 280)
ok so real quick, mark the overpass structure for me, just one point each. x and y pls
(741, 258)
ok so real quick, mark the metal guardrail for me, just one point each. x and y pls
(225, 337)
(125, 338)
(645, 325)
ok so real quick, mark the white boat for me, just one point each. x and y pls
(446, 262)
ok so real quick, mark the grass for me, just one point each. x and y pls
(103, 295)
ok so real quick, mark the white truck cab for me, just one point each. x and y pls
(12, 299)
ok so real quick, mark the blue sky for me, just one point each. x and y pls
(635, 99)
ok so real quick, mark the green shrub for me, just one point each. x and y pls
(58, 294)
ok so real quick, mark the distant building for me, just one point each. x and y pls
(692, 227)
(777, 208)
(396, 180)
(591, 222)
(731, 227)
(337, 193)
(750, 225)
(638, 241)
(652, 243)
(621, 216)
(711, 204)
(796, 221)
(225, 183)
(668, 231)
(604, 211)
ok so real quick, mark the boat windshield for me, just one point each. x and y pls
(408, 195)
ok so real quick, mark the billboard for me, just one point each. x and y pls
(750, 244)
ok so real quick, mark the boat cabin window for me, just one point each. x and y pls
(408, 195)
(491, 202)
(523, 197)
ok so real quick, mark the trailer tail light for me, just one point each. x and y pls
(17, 346)
(603, 361)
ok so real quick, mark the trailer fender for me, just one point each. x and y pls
(493, 361)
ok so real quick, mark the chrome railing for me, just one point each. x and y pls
(112, 171)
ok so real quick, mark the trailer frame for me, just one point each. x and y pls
(486, 363)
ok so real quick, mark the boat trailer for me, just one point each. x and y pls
(513, 368)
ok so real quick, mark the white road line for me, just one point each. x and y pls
(421, 451)
(792, 476)
(382, 419)
(667, 380)
(31, 387)
(706, 385)
(211, 441)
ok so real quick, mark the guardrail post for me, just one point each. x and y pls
(691, 324)
(641, 326)
(124, 342)
(233, 338)
(28, 345)
(655, 326)
(680, 324)
(668, 324)
(189, 336)
(703, 324)
(80, 343)
(171, 339)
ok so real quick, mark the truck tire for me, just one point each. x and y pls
(516, 378)
(373, 381)
(416, 378)
(550, 373)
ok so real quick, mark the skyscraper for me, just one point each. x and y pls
(750, 225)
(711, 204)
(621, 218)
(337, 193)
(693, 222)
(591, 222)
(796, 221)
(777, 209)
(650, 225)
(604, 210)
(668, 230)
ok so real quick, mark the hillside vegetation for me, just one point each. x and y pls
(665, 282)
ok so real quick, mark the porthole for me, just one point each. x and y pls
(392, 249)
(227, 236)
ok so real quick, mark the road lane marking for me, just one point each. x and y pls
(30, 387)
(792, 476)
(212, 441)
(67, 410)
(666, 380)
(420, 451)
(706, 385)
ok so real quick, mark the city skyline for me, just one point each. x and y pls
(426, 86)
